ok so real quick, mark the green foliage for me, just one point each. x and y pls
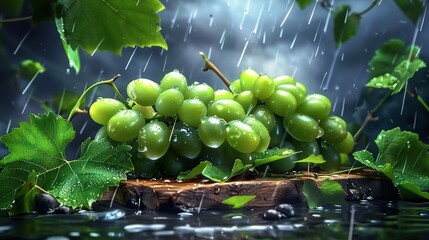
(312, 159)
(403, 158)
(109, 25)
(390, 55)
(25, 197)
(304, 3)
(225, 173)
(39, 146)
(412, 9)
(238, 201)
(271, 155)
(215, 173)
(346, 24)
(29, 68)
(400, 75)
(64, 101)
(329, 193)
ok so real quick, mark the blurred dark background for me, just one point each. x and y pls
(272, 36)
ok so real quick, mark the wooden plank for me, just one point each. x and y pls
(191, 195)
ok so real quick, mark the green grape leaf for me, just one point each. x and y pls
(329, 193)
(238, 201)
(317, 159)
(42, 10)
(215, 173)
(400, 75)
(25, 197)
(11, 8)
(28, 69)
(346, 25)
(271, 155)
(40, 146)
(193, 173)
(412, 9)
(304, 3)
(110, 24)
(72, 55)
(403, 158)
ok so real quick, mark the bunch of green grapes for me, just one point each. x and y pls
(173, 126)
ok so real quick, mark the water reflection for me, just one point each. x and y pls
(357, 220)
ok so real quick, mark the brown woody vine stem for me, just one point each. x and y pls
(208, 65)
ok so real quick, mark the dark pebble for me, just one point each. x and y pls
(272, 214)
(63, 209)
(45, 203)
(286, 209)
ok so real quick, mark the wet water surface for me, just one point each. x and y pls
(357, 220)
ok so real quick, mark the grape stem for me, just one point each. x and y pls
(111, 82)
(317, 175)
(19, 19)
(419, 99)
(208, 65)
(370, 117)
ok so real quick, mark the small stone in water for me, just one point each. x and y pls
(45, 203)
(63, 209)
(272, 214)
(286, 209)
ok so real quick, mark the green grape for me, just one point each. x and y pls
(242, 137)
(212, 131)
(104, 108)
(147, 111)
(263, 87)
(223, 94)
(235, 86)
(143, 91)
(284, 79)
(154, 139)
(215, 155)
(345, 159)
(265, 116)
(302, 87)
(125, 125)
(335, 129)
(246, 100)
(297, 92)
(285, 164)
(192, 111)
(203, 92)
(305, 149)
(174, 79)
(169, 102)
(301, 127)
(331, 156)
(281, 103)
(347, 145)
(316, 106)
(172, 165)
(101, 133)
(185, 141)
(226, 109)
(278, 133)
(261, 130)
(248, 78)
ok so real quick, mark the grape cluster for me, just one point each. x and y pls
(174, 126)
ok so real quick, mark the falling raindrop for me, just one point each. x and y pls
(242, 53)
(26, 103)
(147, 62)
(255, 29)
(173, 20)
(293, 41)
(287, 14)
(312, 13)
(211, 20)
(96, 48)
(131, 57)
(8, 125)
(20, 43)
(83, 127)
(165, 63)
